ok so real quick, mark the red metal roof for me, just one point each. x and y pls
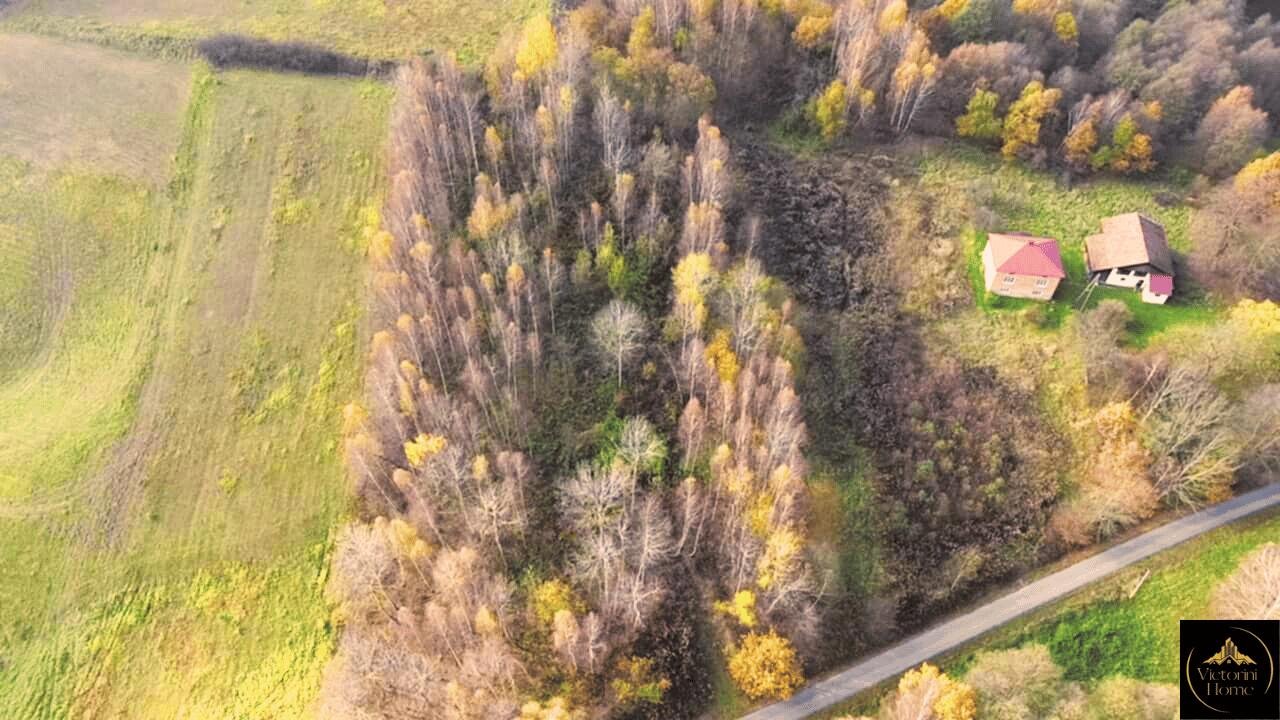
(1026, 255)
(1161, 284)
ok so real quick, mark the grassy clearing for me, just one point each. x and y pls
(240, 287)
(368, 28)
(101, 111)
(77, 249)
(1035, 202)
(1100, 631)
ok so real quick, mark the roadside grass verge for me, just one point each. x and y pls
(366, 28)
(1101, 631)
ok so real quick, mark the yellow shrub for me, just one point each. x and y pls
(552, 596)
(1064, 26)
(766, 666)
(829, 110)
(1257, 319)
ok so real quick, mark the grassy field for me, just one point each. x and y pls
(1102, 631)
(53, 114)
(369, 28)
(168, 465)
(1036, 203)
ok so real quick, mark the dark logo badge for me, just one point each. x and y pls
(1228, 669)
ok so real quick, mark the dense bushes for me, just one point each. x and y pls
(1122, 83)
(969, 484)
(228, 50)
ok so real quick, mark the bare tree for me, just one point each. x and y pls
(1253, 590)
(618, 330)
(1257, 426)
(613, 124)
(1194, 456)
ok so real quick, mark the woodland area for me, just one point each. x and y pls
(621, 345)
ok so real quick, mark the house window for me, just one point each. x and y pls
(1008, 279)
(1042, 282)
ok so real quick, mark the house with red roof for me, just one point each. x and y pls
(1132, 252)
(1022, 266)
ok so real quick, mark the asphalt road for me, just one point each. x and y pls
(938, 640)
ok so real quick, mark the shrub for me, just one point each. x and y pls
(223, 51)
(766, 666)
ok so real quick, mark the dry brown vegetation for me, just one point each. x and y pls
(62, 104)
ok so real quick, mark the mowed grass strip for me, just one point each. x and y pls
(367, 28)
(76, 252)
(212, 603)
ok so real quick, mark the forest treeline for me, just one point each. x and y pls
(582, 463)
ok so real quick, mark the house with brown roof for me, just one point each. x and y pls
(1132, 252)
(1022, 266)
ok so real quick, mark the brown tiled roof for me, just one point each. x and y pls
(1018, 254)
(1127, 240)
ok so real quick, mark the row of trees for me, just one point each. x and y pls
(437, 452)
(1021, 683)
(1095, 86)
(743, 427)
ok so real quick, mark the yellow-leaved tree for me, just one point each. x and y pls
(930, 694)
(1026, 115)
(829, 108)
(813, 31)
(766, 666)
(1261, 173)
(538, 47)
(980, 121)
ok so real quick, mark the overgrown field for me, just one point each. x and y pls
(170, 404)
(368, 28)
